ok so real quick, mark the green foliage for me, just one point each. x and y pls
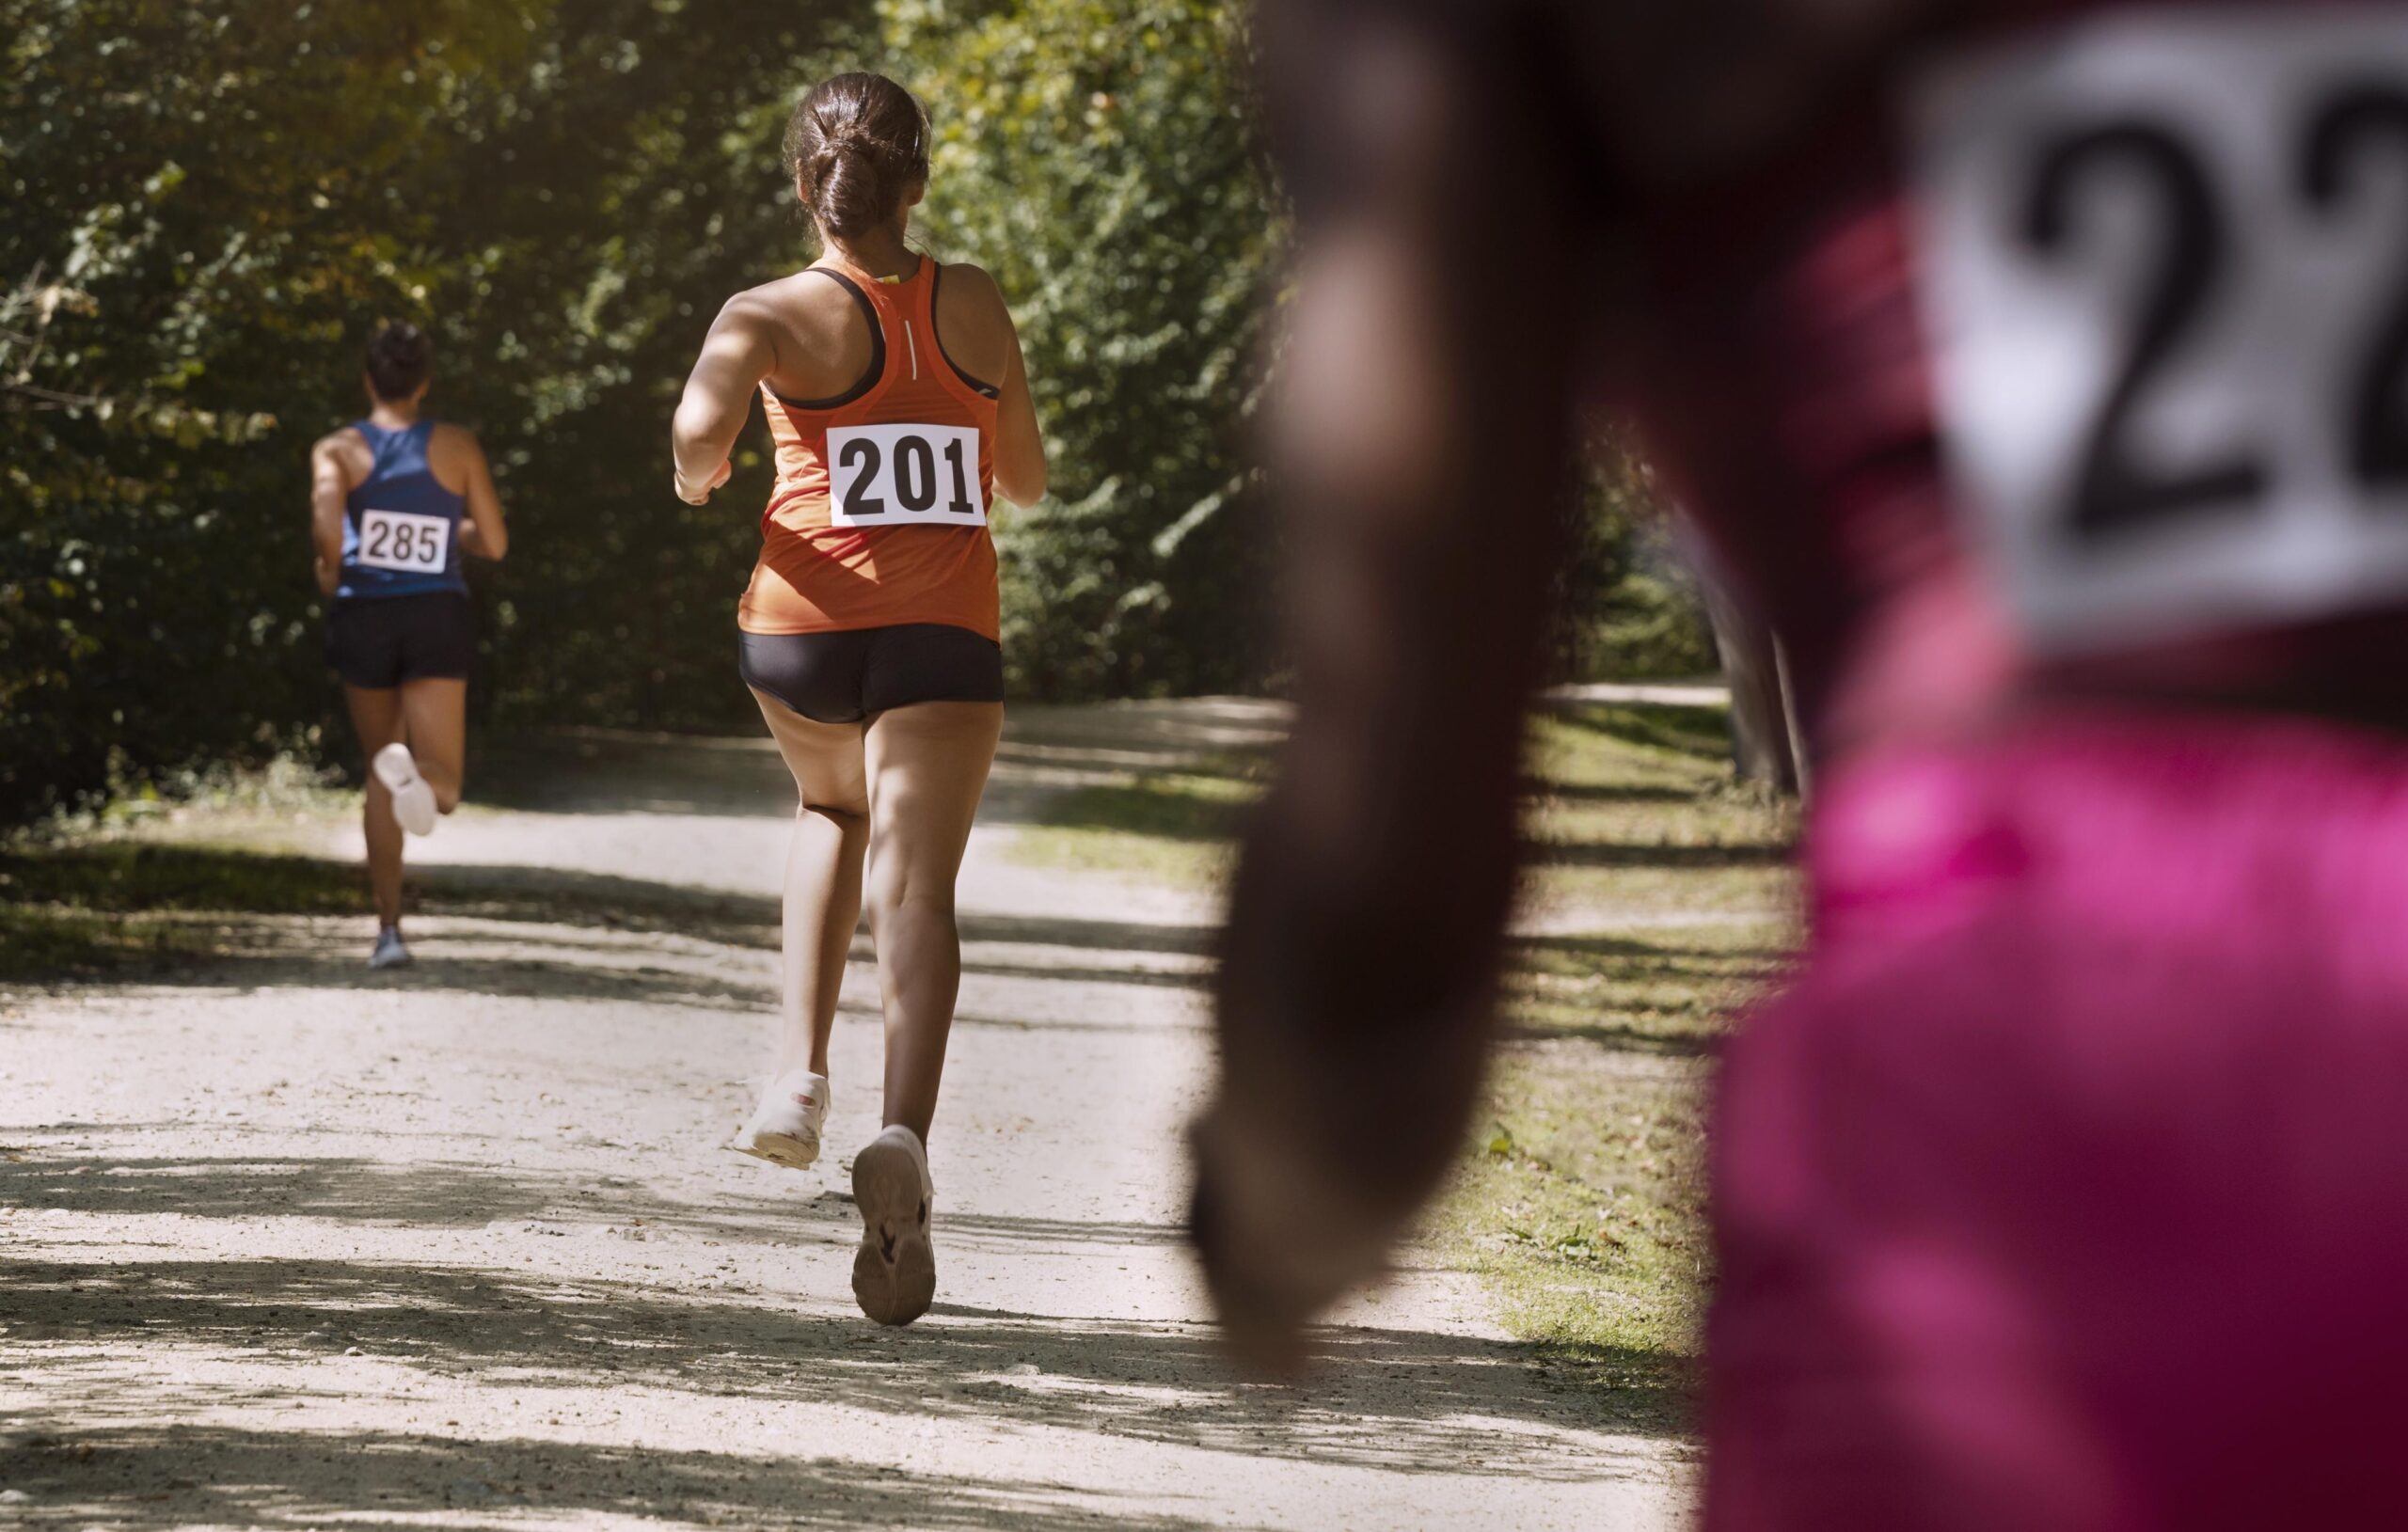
(210, 207)
(1098, 157)
(1624, 608)
(208, 213)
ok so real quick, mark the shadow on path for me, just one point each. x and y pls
(146, 1476)
(1398, 1400)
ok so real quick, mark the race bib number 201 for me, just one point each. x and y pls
(2164, 268)
(904, 476)
(403, 541)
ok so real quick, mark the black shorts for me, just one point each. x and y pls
(848, 677)
(382, 641)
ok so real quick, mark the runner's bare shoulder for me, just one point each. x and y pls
(973, 322)
(449, 443)
(347, 449)
(821, 337)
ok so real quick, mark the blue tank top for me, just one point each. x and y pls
(401, 527)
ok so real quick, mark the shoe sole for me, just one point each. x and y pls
(793, 1152)
(894, 1271)
(420, 816)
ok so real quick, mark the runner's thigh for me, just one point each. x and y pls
(928, 768)
(826, 759)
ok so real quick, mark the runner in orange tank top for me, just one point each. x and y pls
(900, 407)
(867, 560)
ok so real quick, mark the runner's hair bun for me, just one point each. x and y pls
(857, 146)
(399, 359)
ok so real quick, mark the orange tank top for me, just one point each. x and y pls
(879, 513)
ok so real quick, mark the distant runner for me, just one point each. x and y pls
(395, 500)
(900, 408)
(2040, 369)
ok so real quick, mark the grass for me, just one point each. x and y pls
(78, 911)
(86, 908)
(1580, 1199)
(1156, 827)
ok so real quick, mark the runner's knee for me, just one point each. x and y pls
(852, 820)
(895, 888)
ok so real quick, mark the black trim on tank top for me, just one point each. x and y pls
(876, 351)
(986, 390)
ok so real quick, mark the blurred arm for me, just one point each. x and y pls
(1019, 447)
(1420, 436)
(972, 311)
(737, 354)
(330, 486)
(485, 535)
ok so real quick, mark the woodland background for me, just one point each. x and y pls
(205, 209)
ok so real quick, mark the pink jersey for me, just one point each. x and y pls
(2065, 354)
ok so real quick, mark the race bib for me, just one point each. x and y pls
(904, 476)
(404, 542)
(2165, 267)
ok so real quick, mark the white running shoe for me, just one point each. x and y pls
(894, 1272)
(784, 1127)
(413, 799)
(389, 951)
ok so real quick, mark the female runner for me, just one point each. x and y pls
(899, 407)
(396, 500)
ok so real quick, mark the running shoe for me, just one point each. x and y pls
(894, 1274)
(389, 951)
(785, 1128)
(413, 799)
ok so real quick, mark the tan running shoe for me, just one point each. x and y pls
(894, 1273)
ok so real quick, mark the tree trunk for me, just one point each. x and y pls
(1764, 744)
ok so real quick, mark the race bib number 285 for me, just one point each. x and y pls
(2164, 266)
(904, 476)
(403, 541)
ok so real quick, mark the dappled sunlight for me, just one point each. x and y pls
(292, 1243)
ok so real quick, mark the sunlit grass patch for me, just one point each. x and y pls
(131, 877)
(1168, 826)
(82, 910)
(1568, 737)
(62, 943)
(1658, 991)
(1580, 1201)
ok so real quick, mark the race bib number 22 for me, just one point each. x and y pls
(2165, 269)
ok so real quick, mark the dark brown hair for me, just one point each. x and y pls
(399, 359)
(856, 146)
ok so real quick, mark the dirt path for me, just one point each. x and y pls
(284, 1245)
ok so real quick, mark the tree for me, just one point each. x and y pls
(1099, 157)
(208, 213)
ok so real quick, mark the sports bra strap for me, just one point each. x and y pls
(985, 390)
(877, 369)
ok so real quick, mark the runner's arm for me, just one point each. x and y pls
(1419, 446)
(1020, 444)
(485, 535)
(328, 488)
(737, 354)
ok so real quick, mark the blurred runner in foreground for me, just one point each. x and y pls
(2042, 373)
(396, 500)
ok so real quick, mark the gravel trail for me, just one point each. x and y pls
(285, 1244)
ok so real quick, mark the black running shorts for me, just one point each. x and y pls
(849, 677)
(382, 641)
